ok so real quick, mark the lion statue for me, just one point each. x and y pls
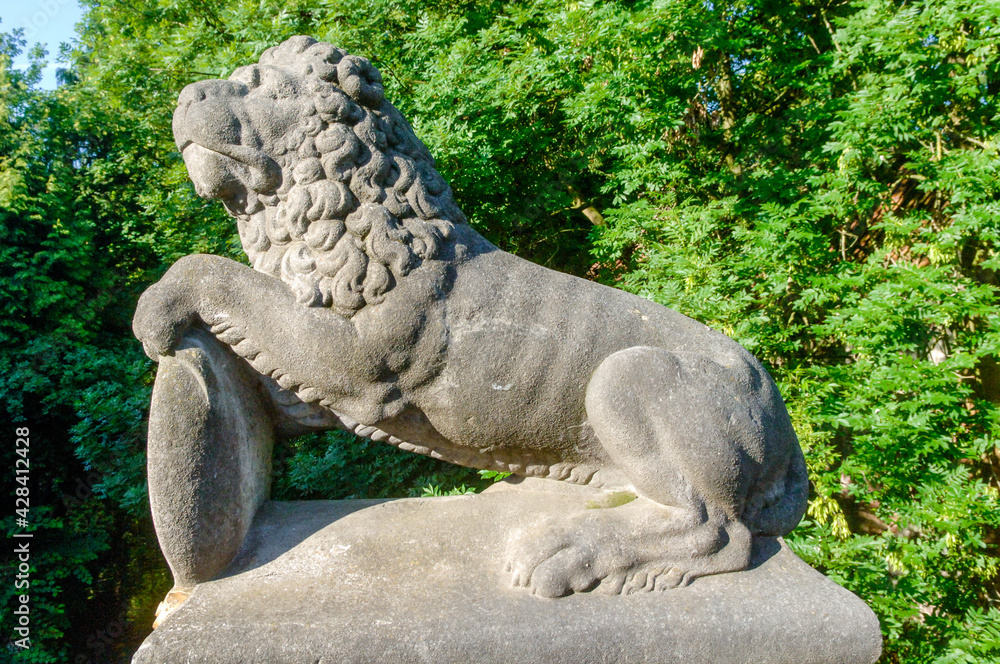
(377, 308)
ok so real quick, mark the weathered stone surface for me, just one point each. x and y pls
(212, 426)
(373, 306)
(208, 456)
(419, 580)
(373, 301)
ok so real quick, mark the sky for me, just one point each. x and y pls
(49, 22)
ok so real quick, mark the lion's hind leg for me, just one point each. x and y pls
(685, 436)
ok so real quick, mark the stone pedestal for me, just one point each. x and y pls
(422, 580)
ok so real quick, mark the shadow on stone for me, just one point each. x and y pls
(281, 526)
(763, 549)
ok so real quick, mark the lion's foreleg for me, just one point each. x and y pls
(255, 315)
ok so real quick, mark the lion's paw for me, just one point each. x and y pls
(589, 552)
(161, 317)
(552, 561)
(561, 556)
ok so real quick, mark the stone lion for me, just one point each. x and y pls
(376, 308)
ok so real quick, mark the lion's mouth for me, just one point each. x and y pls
(214, 175)
(230, 172)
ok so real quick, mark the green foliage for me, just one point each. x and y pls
(852, 244)
(341, 465)
(72, 257)
(435, 490)
(818, 180)
(494, 475)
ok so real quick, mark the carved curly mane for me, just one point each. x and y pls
(360, 204)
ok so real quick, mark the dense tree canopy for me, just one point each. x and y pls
(819, 180)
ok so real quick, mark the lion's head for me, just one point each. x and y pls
(333, 192)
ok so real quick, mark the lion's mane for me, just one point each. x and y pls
(360, 204)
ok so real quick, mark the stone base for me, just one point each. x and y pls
(422, 580)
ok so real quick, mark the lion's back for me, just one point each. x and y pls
(523, 343)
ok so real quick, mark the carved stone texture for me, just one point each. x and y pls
(209, 456)
(373, 302)
(416, 580)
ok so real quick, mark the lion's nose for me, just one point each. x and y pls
(212, 88)
(211, 121)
